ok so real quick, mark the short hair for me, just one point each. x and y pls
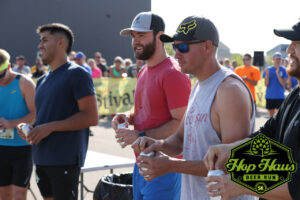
(91, 60)
(98, 53)
(58, 28)
(248, 55)
(4, 56)
(128, 61)
(120, 59)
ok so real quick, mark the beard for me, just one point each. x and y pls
(148, 51)
(295, 69)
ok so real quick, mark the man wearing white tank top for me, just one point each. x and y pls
(220, 110)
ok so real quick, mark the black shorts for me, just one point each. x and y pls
(273, 103)
(15, 165)
(59, 182)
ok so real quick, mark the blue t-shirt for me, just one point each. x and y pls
(12, 106)
(87, 68)
(56, 98)
(294, 82)
(274, 89)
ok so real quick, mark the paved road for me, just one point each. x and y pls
(104, 141)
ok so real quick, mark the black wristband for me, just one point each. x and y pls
(142, 133)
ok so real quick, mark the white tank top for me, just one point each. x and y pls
(199, 133)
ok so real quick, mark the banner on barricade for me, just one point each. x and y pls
(117, 95)
(114, 95)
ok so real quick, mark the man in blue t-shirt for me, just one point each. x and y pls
(66, 106)
(80, 60)
(275, 81)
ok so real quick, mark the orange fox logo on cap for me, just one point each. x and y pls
(186, 27)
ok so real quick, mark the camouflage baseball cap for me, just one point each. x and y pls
(194, 28)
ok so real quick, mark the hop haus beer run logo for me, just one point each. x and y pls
(261, 164)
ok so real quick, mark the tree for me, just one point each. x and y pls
(169, 49)
(238, 58)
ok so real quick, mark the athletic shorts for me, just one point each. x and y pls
(15, 165)
(273, 103)
(59, 182)
(166, 187)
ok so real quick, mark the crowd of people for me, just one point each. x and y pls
(97, 66)
(189, 130)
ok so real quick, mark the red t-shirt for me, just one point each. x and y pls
(159, 89)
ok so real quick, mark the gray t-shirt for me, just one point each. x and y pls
(199, 133)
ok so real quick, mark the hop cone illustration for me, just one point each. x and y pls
(260, 146)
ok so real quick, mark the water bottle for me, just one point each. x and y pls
(217, 172)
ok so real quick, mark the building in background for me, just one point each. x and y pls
(223, 52)
(279, 48)
(96, 25)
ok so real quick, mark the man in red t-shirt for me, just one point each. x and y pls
(160, 101)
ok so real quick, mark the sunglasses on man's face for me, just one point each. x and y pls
(184, 47)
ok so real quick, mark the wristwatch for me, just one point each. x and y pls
(142, 133)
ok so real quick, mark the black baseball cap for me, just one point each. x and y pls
(194, 28)
(290, 34)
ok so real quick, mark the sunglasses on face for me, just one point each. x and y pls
(246, 59)
(184, 47)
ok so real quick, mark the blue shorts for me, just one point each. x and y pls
(166, 187)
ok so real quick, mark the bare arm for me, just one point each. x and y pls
(267, 77)
(231, 111)
(282, 81)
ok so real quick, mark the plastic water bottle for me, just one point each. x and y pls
(120, 126)
(151, 154)
(215, 173)
(26, 129)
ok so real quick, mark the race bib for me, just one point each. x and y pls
(7, 133)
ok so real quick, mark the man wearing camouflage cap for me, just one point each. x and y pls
(220, 110)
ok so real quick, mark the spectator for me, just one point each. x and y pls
(249, 73)
(39, 68)
(103, 67)
(275, 81)
(71, 56)
(234, 64)
(17, 106)
(227, 64)
(158, 109)
(66, 106)
(96, 72)
(20, 66)
(117, 70)
(80, 60)
(133, 70)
